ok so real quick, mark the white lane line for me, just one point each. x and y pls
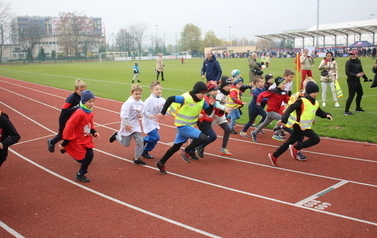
(321, 193)
(116, 200)
(10, 230)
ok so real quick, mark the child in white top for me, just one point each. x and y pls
(131, 111)
(152, 106)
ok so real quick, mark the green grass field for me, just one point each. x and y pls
(113, 80)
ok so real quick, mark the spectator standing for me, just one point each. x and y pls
(329, 74)
(253, 66)
(307, 62)
(211, 69)
(354, 70)
(160, 67)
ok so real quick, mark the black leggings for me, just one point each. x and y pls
(354, 87)
(86, 161)
(162, 75)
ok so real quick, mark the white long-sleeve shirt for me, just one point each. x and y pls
(152, 106)
(130, 114)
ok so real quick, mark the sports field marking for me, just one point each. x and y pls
(10, 230)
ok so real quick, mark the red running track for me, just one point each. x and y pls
(332, 194)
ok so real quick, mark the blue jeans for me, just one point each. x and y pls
(234, 115)
(151, 140)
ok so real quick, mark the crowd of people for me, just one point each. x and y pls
(215, 101)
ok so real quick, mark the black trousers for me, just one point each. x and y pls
(296, 135)
(162, 75)
(354, 87)
(86, 161)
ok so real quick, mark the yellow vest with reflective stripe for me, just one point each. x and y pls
(307, 116)
(188, 113)
(230, 103)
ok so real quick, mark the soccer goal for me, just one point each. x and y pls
(113, 56)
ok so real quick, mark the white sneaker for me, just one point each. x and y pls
(337, 104)
(323, 104)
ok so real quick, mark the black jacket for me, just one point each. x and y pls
(8, 136)
(353, 67)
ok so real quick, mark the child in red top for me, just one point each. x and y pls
(275, 97)
(78, 134)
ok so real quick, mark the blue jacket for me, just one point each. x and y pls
(211, 68)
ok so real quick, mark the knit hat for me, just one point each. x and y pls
(225, 80)
(268, 77)
(235, 72)
(238, 80)
(200, 87)
(311, 87)
(279, 80)
(86, 95)
(212, 86)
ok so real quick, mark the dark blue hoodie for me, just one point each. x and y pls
(211, 68)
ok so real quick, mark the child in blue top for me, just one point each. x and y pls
(136, 72)
(254, 111)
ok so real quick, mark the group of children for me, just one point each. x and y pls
(195, 114)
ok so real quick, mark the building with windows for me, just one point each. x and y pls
(46, 33)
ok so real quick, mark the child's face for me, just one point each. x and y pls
(314, 95)
(227, 87)
(289, 78)
(200, 95)
(239, 85)
(80, 89)
(282, 85)
(137, 95)
(90, 104)
(260, 84)
(157, 90)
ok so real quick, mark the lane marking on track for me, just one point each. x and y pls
(321, 193)
(188, 178)
(116, 200)
(10, 230)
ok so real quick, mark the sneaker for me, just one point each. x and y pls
(281, 134)
(254, 136)
(113, 137)
(278, 138)
(200, 151)
(337, 104)
(323, 104)
(139, 162)
(133, 81)
(233, 132)
(273, 159)
(50, 146)
(161, 167)
(359, 110)
(146, 155)
(82, 178)
(225, 151)
(138, 81)
(185, 156)
(296, 154)
(193, 155)
(62, 151)
(348, 113)
(244, 134)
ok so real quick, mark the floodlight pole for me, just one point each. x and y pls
(317, 22)
(229, 37)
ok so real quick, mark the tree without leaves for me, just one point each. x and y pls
(137, 32)
(190, 38)
(125, 41)
(5, 21)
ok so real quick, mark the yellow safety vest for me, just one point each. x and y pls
(186, 114)
(307, 116)
(230, 103)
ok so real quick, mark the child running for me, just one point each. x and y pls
(136, 72)
(254, 110)
(78, 133)
(205, 119)
(186, 110)
(300, 115)
(152, 106)
(131, 111)
(72, 103)
(8, 136)
(234, 102)
(275, 97)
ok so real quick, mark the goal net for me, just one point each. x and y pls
(113, 56)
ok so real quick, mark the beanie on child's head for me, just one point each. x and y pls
(86, 95)
(200, 87)
(279, 80)
(311, 87)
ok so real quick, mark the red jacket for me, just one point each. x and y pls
(275, 97)
(78, 132)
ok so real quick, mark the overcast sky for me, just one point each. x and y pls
(237, 18)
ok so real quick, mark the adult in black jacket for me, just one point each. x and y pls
(354, 70)
(211, 69)
(8, 136)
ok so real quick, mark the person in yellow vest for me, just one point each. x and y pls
(300, 115)
(233, 102)
(186, 110)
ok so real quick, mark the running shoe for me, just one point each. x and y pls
(185, 156)
(225, 151)
(254, 136)
(273, 159)
(278, 138)
(244, 134)
(161, 167)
